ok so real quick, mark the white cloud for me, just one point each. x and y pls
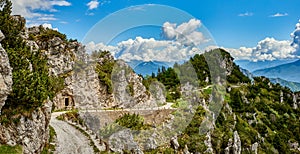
(90, 14)
(267, 49)
(92, 46)
(147, 50)
(180, 44)
(246, 14)
(279, 15)
(296, 36)
(187, 33)
(47, 17)
(47, 25)
(29, 9)
(93, 4)
(60, 3)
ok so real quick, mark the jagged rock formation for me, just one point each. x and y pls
(32, 133)
(128, 89)
(123, 140)
(5, 74)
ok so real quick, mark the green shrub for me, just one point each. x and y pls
(5, 149)
(132, 121)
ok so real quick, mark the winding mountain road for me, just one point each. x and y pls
(69, 139)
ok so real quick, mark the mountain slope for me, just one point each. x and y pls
(147, 68)
(289, 72)
(294, 86)
(253, 66)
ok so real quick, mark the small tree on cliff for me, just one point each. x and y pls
(9, 27)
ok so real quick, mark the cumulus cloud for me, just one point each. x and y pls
(92, 46)
(279, 15)
(267, 49)
(47, 17)
(296, 36)
(246, 14)
(186, 33)
(47, 25)
(270, 48)
(147, 50)
(180, 44)
(93, 4)
(29, 9)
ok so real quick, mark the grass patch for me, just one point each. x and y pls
(50, 148)
(5, 149)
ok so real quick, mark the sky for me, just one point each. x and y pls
(249, 29)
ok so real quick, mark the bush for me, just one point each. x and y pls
(132, 121)
(5, 149)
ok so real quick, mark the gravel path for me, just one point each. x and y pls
(69, 139)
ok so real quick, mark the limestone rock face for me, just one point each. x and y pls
(123, 140)
(86, 88)
(128, 87)
(237, 149)
(32, 133)
(150, 144)
(5, 74)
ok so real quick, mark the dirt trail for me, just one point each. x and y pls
(69, 139)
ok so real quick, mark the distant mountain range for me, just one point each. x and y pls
(289, 72)
(294, 86)
(253, 66)
(147, 68)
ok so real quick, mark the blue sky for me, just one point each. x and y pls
(232, 23)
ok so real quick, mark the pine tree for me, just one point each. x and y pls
(9, 27)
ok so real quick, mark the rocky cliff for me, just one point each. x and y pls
(5, 74)
(30, 131)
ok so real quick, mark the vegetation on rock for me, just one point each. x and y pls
(32, 84)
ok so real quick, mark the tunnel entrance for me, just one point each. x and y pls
(67, 102)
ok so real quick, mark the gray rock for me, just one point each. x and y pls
(123, 140)
(5, 76)
(150, 144)
(254, 147)
(174, 142)
(32, 133)
(186, 150)
(2, 37)
(208, 143)
(237, 149)
(128, 89)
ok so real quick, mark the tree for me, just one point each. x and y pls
(32, 84)
(9, 26)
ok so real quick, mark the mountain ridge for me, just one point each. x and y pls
(289, 72)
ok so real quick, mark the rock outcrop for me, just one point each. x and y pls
(123, 140)
(237, 148)
(32, 133)
(128, 89)
(5, 74)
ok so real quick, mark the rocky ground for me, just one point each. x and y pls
(69, 139)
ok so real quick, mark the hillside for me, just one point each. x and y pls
(294, 86)
(251, 117)
(204, 105)
(258, 65)
(289, 72)
(258, 117)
